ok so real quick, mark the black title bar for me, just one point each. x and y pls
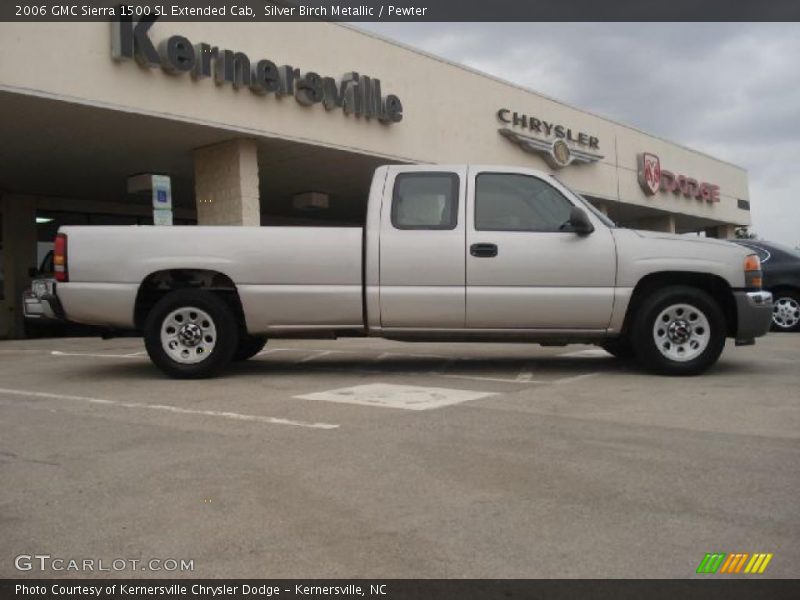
(405, 10)
(404, 589)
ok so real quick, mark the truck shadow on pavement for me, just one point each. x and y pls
(512, 370)
(517, 368)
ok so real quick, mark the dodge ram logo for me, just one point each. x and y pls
(649, 173)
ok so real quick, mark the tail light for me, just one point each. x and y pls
(752, 272)
(60, 258)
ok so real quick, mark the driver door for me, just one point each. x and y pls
(523, 271)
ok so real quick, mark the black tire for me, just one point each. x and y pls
(673, 301)
(619, 347)
(222, 344)
(249, 346)
(786, 303)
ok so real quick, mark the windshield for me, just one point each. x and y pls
(591, 207)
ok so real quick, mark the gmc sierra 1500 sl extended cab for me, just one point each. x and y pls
(448, 253)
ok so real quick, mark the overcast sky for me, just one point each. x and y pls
(729, 89)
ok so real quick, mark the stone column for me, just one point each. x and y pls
(665, 223)
(226, 184)
(726, 232)
(19, 255)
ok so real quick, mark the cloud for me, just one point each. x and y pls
(729, 89)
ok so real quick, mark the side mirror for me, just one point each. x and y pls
(579, 221)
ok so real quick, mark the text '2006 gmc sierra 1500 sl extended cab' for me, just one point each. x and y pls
(448, 253)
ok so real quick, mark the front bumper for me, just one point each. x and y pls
(34, 309)
(754, 314)
(41, 303)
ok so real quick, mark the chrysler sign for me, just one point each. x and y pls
(560, 145)
(354, 94)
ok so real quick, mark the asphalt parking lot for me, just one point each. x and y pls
(367, 458)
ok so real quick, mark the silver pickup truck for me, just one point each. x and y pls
(448, 253)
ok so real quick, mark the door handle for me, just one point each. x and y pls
(483, 250)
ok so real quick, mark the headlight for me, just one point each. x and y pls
(39, 288)
(752, 272)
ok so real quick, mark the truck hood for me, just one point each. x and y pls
(643, 252)
(659, 235)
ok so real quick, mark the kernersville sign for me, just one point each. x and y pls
(355, 94)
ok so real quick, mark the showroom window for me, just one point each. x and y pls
(512, 202)
(425, 201)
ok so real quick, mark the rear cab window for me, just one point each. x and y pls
(425, 200)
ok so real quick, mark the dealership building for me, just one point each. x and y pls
(264, 124)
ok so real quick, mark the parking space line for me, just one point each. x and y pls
(172, 409)
(525, 375)
(97, 355)
(575, 378)
(482, 378)
(273, 350)
(414, 355)
(590, 352)
(317, 354)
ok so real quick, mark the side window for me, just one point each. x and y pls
(425, 201)
(512, 202)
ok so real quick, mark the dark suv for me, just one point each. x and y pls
(781, 267)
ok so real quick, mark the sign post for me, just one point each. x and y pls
(160, 188)
(162, 200)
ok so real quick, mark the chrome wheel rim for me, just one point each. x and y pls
(681, 332)
(188, 335)
(786, 312)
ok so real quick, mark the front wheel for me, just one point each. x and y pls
(786, 311)
(678, 330)
(191, 334)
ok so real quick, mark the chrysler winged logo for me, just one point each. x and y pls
(557, 152)
(649, 173)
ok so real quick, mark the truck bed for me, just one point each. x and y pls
(287, 277)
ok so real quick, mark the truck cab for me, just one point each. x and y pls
(475, 249)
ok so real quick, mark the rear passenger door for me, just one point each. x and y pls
(422, 248)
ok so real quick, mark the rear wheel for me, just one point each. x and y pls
(786, 311)
(249, 346)
(678, 330)
(191, 334)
